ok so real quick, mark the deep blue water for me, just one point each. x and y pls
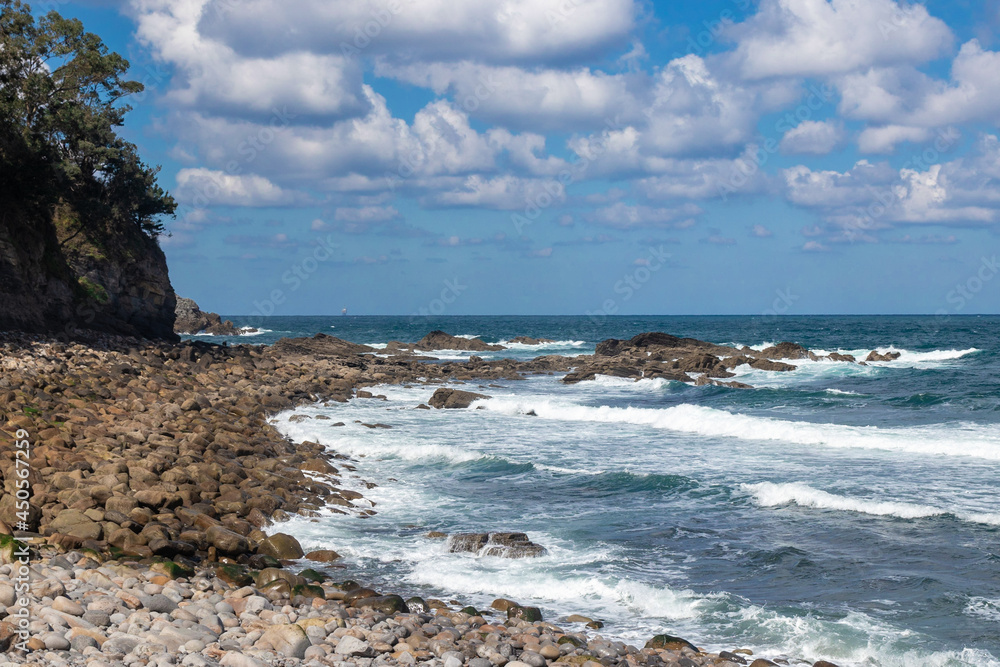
(837, 511)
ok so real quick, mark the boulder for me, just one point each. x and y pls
(670, 642)
(785, 350)
(289, 640)
(226, 541)
(323, 556)
(454, 398)
(281, 546)
(76, 524)
(874, 355)
(439, 340)
(502, 545)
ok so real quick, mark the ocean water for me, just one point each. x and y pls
(837, 511)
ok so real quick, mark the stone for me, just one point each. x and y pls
(76, 524)
(67, 606)
(670, 642)
(454, 398)
(237, 659)
(349, 645)
(289, 640)
(530, 614)
(281, 546)
(323, 556)
(226, 541)
(158, 603)
(532, 659)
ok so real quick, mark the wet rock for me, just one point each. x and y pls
(502, 545)
(454, 398)
(670, 642)
(281, 546)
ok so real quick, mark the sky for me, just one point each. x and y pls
(456, 157)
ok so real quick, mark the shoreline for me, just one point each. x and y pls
(138, 448)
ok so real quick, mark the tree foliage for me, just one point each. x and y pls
(61, 94)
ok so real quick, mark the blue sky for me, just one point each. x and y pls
(570, 156)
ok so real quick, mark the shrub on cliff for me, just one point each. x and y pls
(61, 94)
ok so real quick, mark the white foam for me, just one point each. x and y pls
(645, 384)
(842, 392)
(248, 331)
(554, 344)
(769, 494)
(370, 445)
(943, 439)
(988, 608)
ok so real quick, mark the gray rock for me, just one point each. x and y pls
(121, 645)
(55, 641)
(159, 603)
(352, 646)
(236, 659)
(80, 642)
(532, 659)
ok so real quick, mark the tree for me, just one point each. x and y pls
(61, 94)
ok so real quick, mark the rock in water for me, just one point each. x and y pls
(502, 545)
(670, 642)
(191, 320)
(439, 340)
(454, 398)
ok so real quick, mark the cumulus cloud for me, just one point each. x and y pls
(206, 187)
(802, 38)
(486, 30)
(859, 202)
(212, 76)
(812, 137)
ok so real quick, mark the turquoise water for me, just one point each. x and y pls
(837, 511)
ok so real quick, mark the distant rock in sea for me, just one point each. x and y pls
(192, 320)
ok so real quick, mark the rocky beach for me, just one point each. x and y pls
(151, 531)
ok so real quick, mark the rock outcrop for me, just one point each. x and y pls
(190, 319)
(55, 278)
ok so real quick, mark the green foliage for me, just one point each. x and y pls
(61, 94)
(93, 291)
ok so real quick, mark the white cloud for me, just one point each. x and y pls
(485, 30)
(505, 193)
(625, 216)
(812, 137)
(761, 232)
(870, 197)
(206, 187)
(823, 37)
(542, 99)
(366, 214)
(211, 76)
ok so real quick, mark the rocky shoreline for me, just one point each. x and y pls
(156, 483)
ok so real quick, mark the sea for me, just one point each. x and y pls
(838, 511)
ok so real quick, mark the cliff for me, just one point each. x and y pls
(56, 277)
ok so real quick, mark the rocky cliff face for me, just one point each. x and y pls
(57, 279)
